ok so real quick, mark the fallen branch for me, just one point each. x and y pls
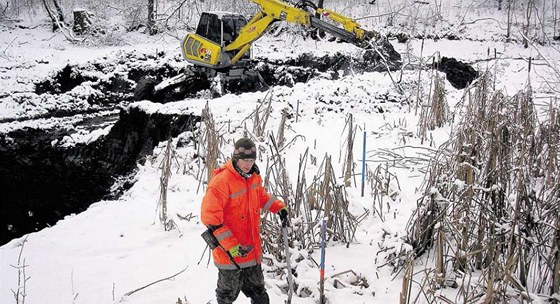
(143, 287)
(384, 60)
(9, 44)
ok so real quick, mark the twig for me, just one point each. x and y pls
(9, 44)
(160, 280)
(483, 19)
(22, 277)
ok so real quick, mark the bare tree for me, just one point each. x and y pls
(58, 17)
(510, 4)
(528, 14)
(152, 12)
(543, 23)
(555, 20)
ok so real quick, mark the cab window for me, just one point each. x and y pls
(232, 27)
(209, 27)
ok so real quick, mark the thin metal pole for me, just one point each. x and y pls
(297, 111)
(364, 165)
(322, 270)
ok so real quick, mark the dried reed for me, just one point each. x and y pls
(210, 137)
(165, 167)
(490, 203)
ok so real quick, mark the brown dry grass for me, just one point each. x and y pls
(491, 202)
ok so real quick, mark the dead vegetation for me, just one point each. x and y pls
(165, 173)
(310, 200)
(435, 113)
(491, 205)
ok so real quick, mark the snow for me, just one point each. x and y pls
(82, 136)
(116, 247)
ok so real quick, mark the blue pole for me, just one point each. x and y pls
(322, 270)
(297, 111)
(364, 165)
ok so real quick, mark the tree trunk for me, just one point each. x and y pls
(55, 21)
(543, 23)
(60, 14)
(529, 12)
(509, 7)
(555, 19)
(320, 4)
(151, 17)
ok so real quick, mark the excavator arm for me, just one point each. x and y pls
(205, 52)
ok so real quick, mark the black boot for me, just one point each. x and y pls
(260, 299)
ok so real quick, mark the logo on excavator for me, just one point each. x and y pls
(205, 53)
(251, 29)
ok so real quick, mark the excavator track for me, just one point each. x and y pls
(196, 79)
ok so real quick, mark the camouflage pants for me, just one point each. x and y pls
(249, 280)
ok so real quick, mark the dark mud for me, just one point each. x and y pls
(42, 181)
(459, 74)
(114, 82)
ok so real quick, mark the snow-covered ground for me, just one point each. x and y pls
(116, 247)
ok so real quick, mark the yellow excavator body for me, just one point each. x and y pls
(201, 51)
(223, 39)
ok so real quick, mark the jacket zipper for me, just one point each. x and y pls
(250, 213)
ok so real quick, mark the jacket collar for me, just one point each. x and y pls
(230, 167)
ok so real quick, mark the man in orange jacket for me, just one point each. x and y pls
(231, 211)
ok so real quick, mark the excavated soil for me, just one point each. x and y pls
(114, 82)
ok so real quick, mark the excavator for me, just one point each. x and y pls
(220, 47)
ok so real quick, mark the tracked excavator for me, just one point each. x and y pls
(220, 47)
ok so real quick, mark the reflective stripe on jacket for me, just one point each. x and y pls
(236, 203)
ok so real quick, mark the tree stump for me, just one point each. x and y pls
(82, 23)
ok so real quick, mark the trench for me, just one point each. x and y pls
(122, 75)
(43, 182)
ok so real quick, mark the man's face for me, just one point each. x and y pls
(245, 164)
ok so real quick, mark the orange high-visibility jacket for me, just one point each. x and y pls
(233, 204)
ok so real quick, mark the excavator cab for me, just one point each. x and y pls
(221, 28)
(215, 30)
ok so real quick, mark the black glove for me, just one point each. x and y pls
(244, 250)
(283, 213)
(240, 250)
